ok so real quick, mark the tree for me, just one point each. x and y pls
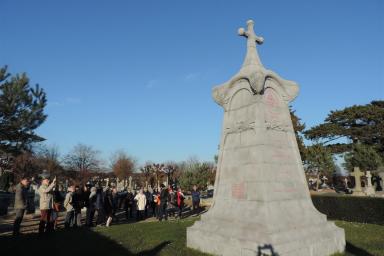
(122, 164)
(319, 160)
(21, 112)
(194, 172)
(363, 156)
(83, 158)
(298, 128)
(169, 169)
(147, 170)
(359, 123)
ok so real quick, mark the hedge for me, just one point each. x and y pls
(351, 208)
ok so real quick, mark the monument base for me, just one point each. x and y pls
(228, 239)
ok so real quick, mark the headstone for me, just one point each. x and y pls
(357, 191)
(130, 182)
(369, 190)
(261, 194)
(381, 180)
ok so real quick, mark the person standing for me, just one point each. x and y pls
(108, 207)
(92, 207)
(148, 197)
(21, 197)
(195, 199)
(58, 200)
(128, 204)
(85, 198)
(77, 200)
(141, 202)
(99, 205)
(164, 193)
(180, 201)
(155, 200)
(68, 205)
(46, 204)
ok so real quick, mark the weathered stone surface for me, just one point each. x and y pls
(261, 199)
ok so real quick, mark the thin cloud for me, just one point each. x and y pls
(151, 83)
(72, 100)
(192, 76)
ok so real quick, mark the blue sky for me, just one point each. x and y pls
(137, 75)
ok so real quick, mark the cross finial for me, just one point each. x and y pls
(250, 33)
(252, 58)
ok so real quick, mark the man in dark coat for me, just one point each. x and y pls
(163, 203)
(128, 204)
(21, 197)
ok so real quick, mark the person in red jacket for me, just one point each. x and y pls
(180, 201)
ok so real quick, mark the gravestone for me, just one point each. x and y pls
(381, 179)
(369, 190)
(130, 182)
(261, 197)
(357, 191)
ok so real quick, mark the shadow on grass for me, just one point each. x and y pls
(66, 242)
(351, 249)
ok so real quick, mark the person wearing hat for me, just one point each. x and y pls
(21, 196)
(46, 204)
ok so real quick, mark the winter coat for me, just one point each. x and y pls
(21, 196)
(46, 196)
(195, 196)
(141, 201)
(180, 199)
(164, 195)
(108, 203)
(68, 202)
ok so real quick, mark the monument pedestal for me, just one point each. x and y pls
(261, 202)
(313, 237)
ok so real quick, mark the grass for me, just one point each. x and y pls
(363, 239)
(159, 238)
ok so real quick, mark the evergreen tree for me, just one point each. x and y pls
(298, 127)
(364, 157)
(359, 123)
(21, 112)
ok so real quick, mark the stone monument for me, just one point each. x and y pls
(357, 191)
(369, 190)
(261, 197)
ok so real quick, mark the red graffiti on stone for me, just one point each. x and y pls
(271, 99)
(238, 190)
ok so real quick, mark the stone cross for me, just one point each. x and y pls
(357, 175)
(252, 56)
(369, 190)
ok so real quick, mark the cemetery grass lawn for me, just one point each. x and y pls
(158, 238)
(363, 239)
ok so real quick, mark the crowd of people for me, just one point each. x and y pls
(101, 204)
